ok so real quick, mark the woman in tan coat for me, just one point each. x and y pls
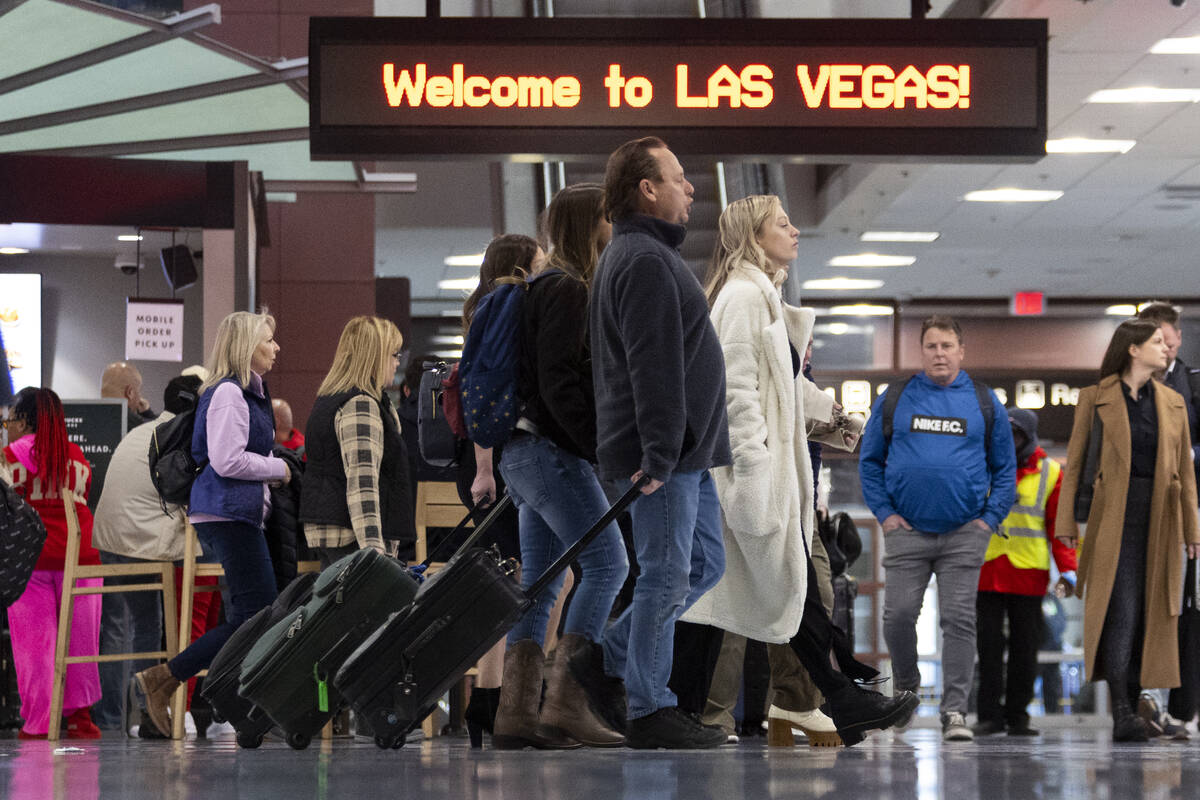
(1141, 521)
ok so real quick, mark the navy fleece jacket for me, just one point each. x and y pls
(657, 364)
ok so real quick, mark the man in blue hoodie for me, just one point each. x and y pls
(939, 489)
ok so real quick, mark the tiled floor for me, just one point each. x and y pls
(1062, 763)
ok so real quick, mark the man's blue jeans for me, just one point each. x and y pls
(677, 538)
(130, 622)
(558, 497)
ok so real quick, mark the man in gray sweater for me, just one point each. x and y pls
(660, 412)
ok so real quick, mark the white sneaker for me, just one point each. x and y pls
(954, 728)
(816, 726)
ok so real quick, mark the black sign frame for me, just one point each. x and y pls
(331, 141)
(97, 425)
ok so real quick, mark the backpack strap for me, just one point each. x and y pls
(891, 398)
(983, 393)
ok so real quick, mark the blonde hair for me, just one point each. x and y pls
(238, 336)
(737, 241)
(363, 357)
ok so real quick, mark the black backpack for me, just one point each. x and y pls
(172, 468)
(22, 535)
(435, 435)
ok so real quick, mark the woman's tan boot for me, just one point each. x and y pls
(158, 685)
(566, 706)
(517, 724)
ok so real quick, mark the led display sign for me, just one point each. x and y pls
(895, 89)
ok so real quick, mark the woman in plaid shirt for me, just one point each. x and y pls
(356, 487)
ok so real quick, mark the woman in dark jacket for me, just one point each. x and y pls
(548, 468)
(234, 433)
(1141, 521)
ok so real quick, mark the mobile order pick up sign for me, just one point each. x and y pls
(154, 330)
(895, 89)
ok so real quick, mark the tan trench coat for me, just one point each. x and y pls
(1173, 522)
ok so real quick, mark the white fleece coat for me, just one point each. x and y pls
(767, 495)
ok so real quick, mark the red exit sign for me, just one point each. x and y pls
(924, 89)
(1025, 304)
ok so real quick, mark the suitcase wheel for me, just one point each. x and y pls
(298, 741)
(389, 742)
(217, 716)
(249, 740)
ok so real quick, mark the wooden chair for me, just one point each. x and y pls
(192, 569)
(438, 506)
(160, 578)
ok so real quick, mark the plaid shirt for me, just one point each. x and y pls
(359, 430)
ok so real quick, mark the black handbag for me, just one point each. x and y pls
(22, 536)
(1091, 465)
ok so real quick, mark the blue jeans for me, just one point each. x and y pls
(558, 497)
(677, 537)
(130, 622)
(242, 551)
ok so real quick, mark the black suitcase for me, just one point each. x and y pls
(288, 670)
(394, 679)
(220, 686)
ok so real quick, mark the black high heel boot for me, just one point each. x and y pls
(1127, 725)
(480, 715)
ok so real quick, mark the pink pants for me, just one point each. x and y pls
(33, 623)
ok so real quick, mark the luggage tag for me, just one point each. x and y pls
(322, 690)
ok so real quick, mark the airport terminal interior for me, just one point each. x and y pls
(192, 159)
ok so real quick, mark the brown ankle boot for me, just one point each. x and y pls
(517, 723)
(158, 685)
(566, 708)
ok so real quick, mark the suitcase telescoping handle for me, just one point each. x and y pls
(564, 561)
(480, 529)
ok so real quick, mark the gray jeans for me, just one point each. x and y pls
(910, 558)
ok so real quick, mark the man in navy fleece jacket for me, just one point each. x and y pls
(939, 491)
(660, 411)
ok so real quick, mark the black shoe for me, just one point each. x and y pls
(606, 695)
(987, 727)
(480, 714)
(1128, 727)
(1023, 729)
(672, 729)
(147, 729)
(856, 711)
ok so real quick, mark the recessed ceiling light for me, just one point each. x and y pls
(862, 310)
(129, 237)
(1078, 144)
(13, 251)
(871, 260)
(1013, 196)
(467, 284)
(444, 339)
(1122, 310)
(1145, 94)
(473, 260)
(841, 283)
(1177, 45)
(899, 236)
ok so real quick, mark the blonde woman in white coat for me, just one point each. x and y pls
(768, 591)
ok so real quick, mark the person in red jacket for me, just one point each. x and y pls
(41, 462)
(1013, 580)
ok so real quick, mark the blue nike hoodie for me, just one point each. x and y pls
(936, 473)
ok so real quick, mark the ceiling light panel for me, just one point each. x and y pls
(862, 310)
(1082, 145)
(871, 260)
(1177, 46)
(1010, 195)
(899, 236)
(1145, 94)
(841, 284)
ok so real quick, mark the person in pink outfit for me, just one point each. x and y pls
(40, 462)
